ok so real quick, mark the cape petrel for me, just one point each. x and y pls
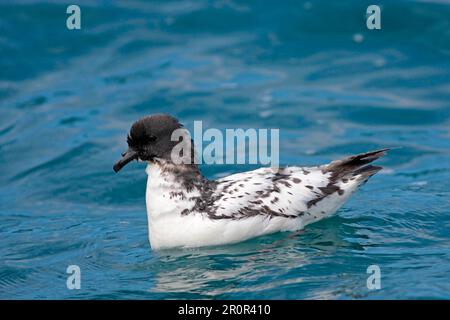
(187, 210)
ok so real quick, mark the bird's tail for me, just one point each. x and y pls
(355, 166)
(345, 176)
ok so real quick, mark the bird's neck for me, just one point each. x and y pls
(172, 189)
(182, 175)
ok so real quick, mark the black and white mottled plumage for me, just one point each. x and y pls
(186, 209)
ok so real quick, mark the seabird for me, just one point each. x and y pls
(185, 209)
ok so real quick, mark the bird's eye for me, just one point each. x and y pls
(152, 138)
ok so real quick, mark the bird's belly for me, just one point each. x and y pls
(196, 230)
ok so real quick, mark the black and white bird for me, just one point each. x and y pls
(187, 210)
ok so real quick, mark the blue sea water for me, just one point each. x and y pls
(310, 68)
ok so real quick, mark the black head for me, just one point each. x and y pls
(150, 138)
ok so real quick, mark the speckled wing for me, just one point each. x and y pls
(284, 192)
(309, 192)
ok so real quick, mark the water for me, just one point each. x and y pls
(312, 69)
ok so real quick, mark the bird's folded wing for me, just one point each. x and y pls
(285, 192)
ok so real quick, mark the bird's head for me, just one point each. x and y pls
(150, 139)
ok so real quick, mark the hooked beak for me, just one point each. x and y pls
(127, 157)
